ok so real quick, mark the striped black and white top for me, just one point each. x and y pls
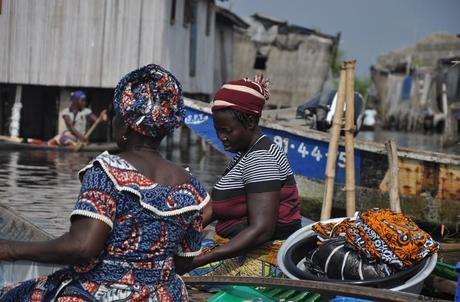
(264, 168)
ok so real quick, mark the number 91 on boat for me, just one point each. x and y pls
(308, 157)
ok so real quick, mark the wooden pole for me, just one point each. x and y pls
(184, 138)
(333, 144)
(395, 203)
(102, 116)
(449, 135)
(450, 247)
(16, 112)
(349, 135)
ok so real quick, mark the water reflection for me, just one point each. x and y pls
(42, 186)
(413, 140)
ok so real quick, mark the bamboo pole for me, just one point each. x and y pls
(395, 203)
(333, 144)
(349, 135)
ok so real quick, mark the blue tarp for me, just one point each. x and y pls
(406, 88)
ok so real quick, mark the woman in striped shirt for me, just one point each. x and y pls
(256, 201)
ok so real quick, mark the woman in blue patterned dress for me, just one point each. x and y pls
(137, 221)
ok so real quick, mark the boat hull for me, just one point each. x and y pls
(96, 147)
(429, 181)
(15, 227)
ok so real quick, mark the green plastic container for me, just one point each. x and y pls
(238, 293)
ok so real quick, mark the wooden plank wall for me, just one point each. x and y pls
(93, 43)
(223, 59)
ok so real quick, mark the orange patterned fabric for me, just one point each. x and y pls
(384, 235)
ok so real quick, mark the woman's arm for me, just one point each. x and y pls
(85, 240)
(263, 214)
(208, 215)
(183, 264)
(72, 129)
(92, 118)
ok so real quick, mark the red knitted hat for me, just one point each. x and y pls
(243, 95)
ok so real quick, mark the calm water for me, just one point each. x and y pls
(412, 140)
(42, 186)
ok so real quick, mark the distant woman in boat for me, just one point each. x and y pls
(76, 118)
(138, 219)
(256, 201)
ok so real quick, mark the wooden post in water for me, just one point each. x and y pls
(333, 144)
(169, 145)
(349, 135)
(16, 112)
(184, 138)
(449, 136)
(395, 203)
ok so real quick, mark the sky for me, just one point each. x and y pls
(368, 28)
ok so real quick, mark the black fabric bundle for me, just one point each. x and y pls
(336, 259)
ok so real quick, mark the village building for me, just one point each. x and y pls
(52, 47)
(296, 59)
(229, 26)
(409, 84)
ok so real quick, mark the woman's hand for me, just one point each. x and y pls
(183, 264)
(199, 260)
(82, 139)
(103, 115)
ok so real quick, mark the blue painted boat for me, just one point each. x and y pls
(429, 181)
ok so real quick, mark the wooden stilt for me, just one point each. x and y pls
(449, 135)
(184, 138)
(349, 136)
(395, 203)
(16, 112)
(333, 144)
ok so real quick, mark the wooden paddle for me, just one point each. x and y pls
(102, 117)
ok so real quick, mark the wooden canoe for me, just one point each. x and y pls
(10, 143)
(13, 226)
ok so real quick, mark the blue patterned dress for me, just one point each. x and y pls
(150, 223)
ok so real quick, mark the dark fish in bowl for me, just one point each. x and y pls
(298, 261)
